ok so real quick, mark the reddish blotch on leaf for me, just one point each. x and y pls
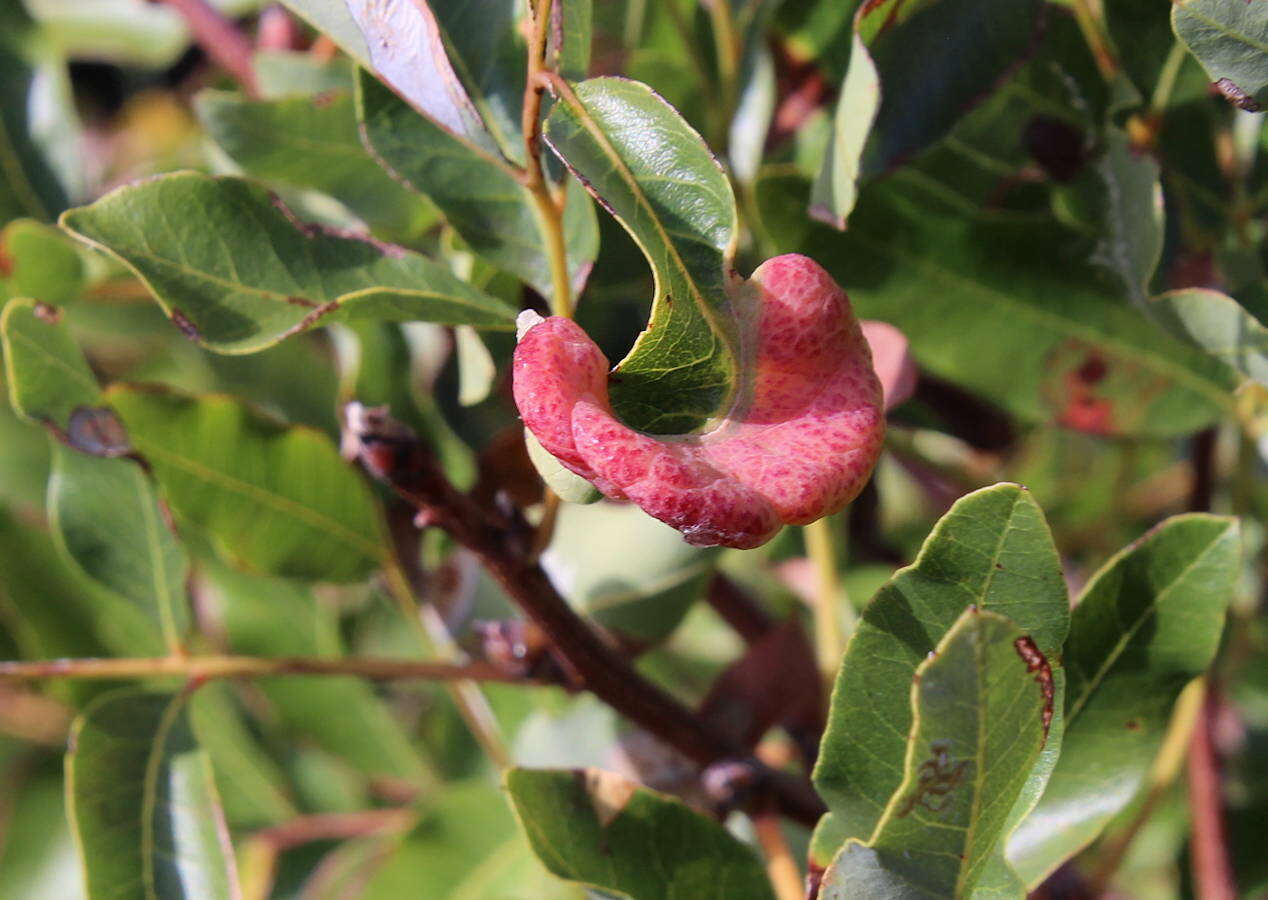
(799, 442)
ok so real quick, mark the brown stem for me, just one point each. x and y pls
(781, 868)
(1202, 456)
(206, 667)
(393, 455)
(220, 39)
(738, 609)
(1212, 869)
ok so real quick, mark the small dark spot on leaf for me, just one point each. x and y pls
(1036, 662)
(324, 99)
(186, 326)
(1133, 725)
(301, 301)
(47, 313)
(1056, 145)
(6, 263)
(1236, 96)
(998, 566)
(97, 431)
(1093, 370)
(936, 779)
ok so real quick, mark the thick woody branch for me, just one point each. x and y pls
(391, 453)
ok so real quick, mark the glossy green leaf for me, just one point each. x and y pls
(475, 191)
(914, 69)
(1036, 329)
(143, 804)
(38, 261)
(39, 172)
(106, 518)
(677, 204)
(991, 550)
(977, 730)
(47, 374)
(1230, 39)
(344, 716)
(237, 273)
(275, 499)
(1148, 622)
(643, 595)
(598, 829)
(313, 142)
(1219, 325)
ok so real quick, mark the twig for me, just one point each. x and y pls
(221, 40)
(402, 462)
(1202, 457)
(549, 213)
(737, 609)
(829, 639)
(208, 667)
(781, 868)
(1168, 765)
(1212, 869)
(1093, 28)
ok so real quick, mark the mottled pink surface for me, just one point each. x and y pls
(799, 444)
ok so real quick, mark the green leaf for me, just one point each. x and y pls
(1148, 622)
(235, 272)
(143, 804)
(1230, 40)
(106, 518)
(252, 786)
(344, 716)
(1036, 330)
(313, 142)
(677, 204)
(1219, 325)
(598, 829)
(47, 374)
(38, 858)
(38, 261)
(275, 499)
(477, 193)
(642, 595)
(913, 71)
(992, 550)
(1118, 197)
(977, 730)
(459, 64)
(39, 168)
(566, 484)
(571, 34)
(332, 18)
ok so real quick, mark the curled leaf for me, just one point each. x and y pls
(798, 442)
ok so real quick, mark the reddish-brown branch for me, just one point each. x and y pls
(737, 609)
(220, 39)
(1212, 869)
(392, 454)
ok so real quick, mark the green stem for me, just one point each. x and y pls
(727, 46)
(829, 637)
(1093, 28)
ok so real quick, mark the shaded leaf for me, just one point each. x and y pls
(677, 204)
(596, 828)
(143, 803)
(1219, 325)
(274, 498)
(1148, 622)
(38, 858)
(991, 550)
(333, 19)
(313, 142)
(1230, 39)
(642, 595)
(38, 130)
(106, 518)
(344, 716)
(477, 193)
(237, 273)
(914, 70)
(566, 484)
(1036, 330)
(977, 730)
